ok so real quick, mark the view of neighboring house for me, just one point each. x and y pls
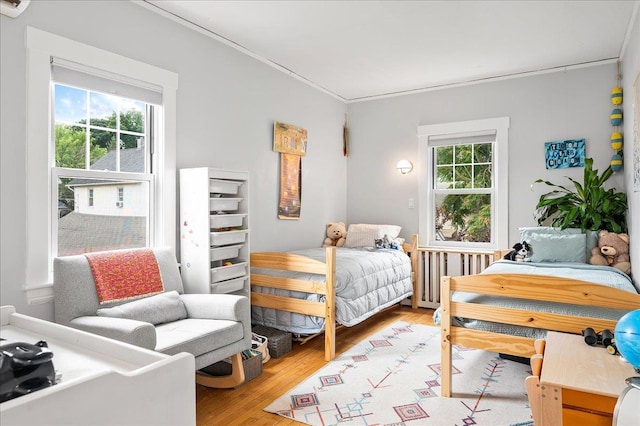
(118, 209)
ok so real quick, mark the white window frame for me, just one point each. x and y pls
(500, 187)
(41, 46)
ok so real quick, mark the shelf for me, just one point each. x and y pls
(217, 186)
(217, 221)
(229, 286)
(225, 252)
(222, 273)
(224, 204)
(222, 238)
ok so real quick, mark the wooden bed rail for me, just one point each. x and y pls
(530, 287)
(325, 286)
(412, 250)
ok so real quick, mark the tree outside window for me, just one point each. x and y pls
(462, 187)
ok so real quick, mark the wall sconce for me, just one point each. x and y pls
(404, 166)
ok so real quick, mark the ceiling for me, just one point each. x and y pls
(358, 50)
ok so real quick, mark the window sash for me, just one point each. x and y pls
(62, 172)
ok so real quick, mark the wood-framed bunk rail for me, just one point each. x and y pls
(520, 286)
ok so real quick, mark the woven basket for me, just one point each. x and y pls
(279, 342)
(250, 363)
(261, 344)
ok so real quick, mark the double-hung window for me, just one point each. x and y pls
(463, 183)
(102, 139)
(100, 154)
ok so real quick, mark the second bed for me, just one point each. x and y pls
(309, 291)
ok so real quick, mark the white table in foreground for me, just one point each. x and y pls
(103, 381)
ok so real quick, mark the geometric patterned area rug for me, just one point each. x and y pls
(393, 378)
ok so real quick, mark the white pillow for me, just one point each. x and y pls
(361, 238)
(391, 231)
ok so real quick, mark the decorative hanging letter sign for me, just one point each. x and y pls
(564, 154)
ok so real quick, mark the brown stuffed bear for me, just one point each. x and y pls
(336, 235)
(612, 250)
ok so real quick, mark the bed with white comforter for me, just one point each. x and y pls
(367, 280)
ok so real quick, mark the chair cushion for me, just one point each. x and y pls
(197, 336)
(158, 309)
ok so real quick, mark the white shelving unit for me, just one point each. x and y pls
(214, 230)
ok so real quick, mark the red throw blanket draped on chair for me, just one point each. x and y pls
(125, 274)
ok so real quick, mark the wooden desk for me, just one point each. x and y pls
(579, 384)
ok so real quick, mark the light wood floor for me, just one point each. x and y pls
(243, 405)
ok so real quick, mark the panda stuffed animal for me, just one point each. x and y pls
(520, 252)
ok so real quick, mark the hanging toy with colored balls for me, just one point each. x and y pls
(616, 116)
(616, 141)
(616, 163)
(616, 96)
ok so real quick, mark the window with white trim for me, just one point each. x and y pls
(64, 161)
(103, 131)
(463, 183)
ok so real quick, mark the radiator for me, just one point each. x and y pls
(434, 263)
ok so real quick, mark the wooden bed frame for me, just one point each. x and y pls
(327, 288)
(532, 287)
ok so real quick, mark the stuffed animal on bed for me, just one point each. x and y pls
(387, 243)
(612, 250)
(336, 235)
(520, 252)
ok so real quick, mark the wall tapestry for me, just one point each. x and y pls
(290, 186)
(564, 154)
(291, 143)
(636, 133)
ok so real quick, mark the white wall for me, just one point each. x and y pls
(227, 103)
(630, 69)
(572, 104)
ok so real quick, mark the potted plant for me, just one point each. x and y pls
(589, 206)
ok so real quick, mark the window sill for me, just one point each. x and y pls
(39, 295)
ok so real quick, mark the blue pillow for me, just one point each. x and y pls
(526, 232)
(591, 236)
(557, 247)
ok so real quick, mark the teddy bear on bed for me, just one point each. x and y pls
(612, 250)
(520, 252)
(336, 235)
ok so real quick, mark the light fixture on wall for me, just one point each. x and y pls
(404, 166)
(13, 8)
